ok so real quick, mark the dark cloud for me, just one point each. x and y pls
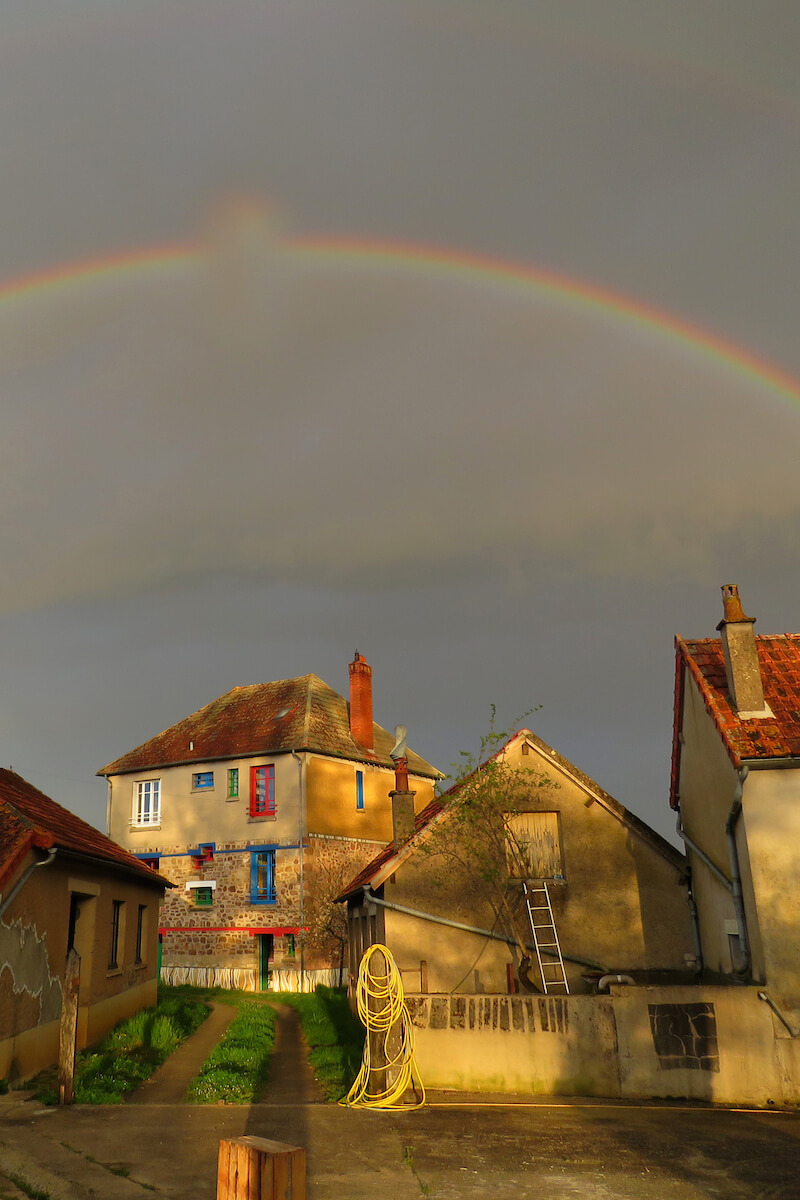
(233, 467)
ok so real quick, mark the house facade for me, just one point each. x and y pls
(736, 792)
(615, 888)
(255, 807)
(64, 885)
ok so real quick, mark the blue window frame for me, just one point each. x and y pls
(201, 780)
(262, 877)
(360, 791)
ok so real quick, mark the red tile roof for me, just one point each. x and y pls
(265, 718)
(756, 737)
(389, 859)
(29, 818)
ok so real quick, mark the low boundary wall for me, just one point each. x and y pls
(719, 1044)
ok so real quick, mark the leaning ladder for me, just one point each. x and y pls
(545, 936)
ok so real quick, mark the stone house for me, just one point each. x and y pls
(258, 807)
(63, 885)
(616, 889)
(736, 792)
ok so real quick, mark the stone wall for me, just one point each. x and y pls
(722, 1044)
(212, 945)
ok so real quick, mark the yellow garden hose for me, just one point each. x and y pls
(382, 1009)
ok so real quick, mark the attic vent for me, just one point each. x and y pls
(283, 713)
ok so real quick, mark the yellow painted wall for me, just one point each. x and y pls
(770, 823)
(331, 800)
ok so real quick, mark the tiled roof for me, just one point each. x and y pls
(265, 718)
(29, 818)
(389, 859)
(755, 737)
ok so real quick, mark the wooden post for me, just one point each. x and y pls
(423, 975)
(68, 1029)
(255, 1168)
(377, 1081)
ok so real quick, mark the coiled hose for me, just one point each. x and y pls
(382, 1009)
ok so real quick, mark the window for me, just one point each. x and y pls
(203, 897)
(262, 877)
(147, 802)
(116, 921)
(140, 930)
(233, 782)
(202, 781)
(262, 791)
(360, 791)
(533, 845)
(204, 853)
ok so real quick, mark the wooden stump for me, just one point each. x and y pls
(68, 1029)
(255, 1168)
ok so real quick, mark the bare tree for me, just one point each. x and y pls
(478, 846)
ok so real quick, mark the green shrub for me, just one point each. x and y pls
(128, 1054)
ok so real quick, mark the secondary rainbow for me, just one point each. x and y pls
(426, 261)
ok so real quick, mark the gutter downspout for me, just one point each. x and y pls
(371, 898)
(742, 970)
(108, 806)
(23, 879)
(790, 1029)
(701, 854)
(300, 826)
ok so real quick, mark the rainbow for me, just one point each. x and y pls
(426, 261)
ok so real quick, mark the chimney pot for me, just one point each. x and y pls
(361, 724)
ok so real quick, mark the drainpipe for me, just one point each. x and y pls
(300, 825)
(371, 898)
(602, 984)
(790, 1029)
(743, 968)
(23, 879)
(701, 854)
(693, 914)
(108, 808)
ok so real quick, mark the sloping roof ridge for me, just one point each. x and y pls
(634, 823)
(115, 853)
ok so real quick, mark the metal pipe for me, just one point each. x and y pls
(602, 984)
(25, 876)
(371, 898)
(695, 919)
(701, 854)
(300, 826)
(793, 1032)
(742, 969)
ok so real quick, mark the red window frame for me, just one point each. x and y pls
(262, 791)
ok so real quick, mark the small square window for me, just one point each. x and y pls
(233, 782)
(149, 860)
(203, 897)
(202, 780)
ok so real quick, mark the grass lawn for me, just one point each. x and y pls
(334, 1033)
(236, 1070)
(129, 1053)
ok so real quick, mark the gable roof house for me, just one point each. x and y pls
(252, 805)
(62, 885)
(736, 790)
(614, 886)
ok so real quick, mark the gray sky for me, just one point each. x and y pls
(247, 462)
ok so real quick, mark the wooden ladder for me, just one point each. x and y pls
(545, 936)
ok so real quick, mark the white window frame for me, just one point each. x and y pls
(144, 817)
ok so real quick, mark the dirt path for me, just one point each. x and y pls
(169, 1083)
(291, 1079)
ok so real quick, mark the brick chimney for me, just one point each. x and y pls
(741, 657)
(361, 701)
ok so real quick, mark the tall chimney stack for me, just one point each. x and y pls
(361, 701)
(741, 657)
